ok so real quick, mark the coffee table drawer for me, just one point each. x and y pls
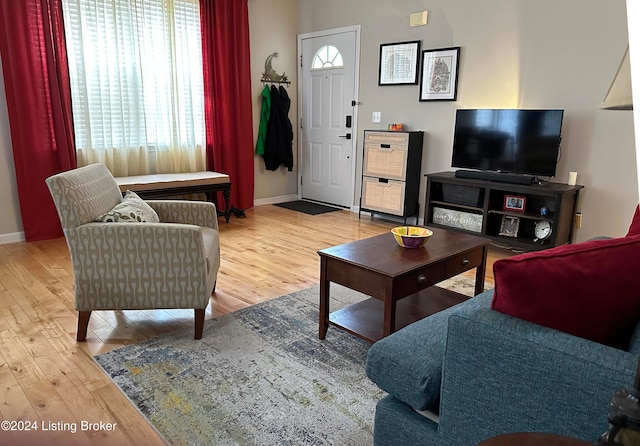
(463, 262)
(419, 280)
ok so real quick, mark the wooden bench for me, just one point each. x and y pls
(173, 184)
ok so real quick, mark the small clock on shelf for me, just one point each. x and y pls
(543, 231)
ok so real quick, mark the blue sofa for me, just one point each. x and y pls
(470, 373)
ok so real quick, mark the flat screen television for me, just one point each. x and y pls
(513, 141)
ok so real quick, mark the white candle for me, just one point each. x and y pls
(573, 176)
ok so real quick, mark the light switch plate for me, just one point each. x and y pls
(376, 117)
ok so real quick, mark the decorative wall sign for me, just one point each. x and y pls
(457, 219)
(439, 74)
(270, 74)
(399, 63)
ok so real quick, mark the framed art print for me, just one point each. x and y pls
(399, 63)
(439, 74)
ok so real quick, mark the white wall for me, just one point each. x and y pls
(273, 28)
(515, 53)
(10, 221)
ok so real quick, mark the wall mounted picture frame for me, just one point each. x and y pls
(440, 74)
(398, 64)
(514, 203)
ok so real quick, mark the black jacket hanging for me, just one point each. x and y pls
(287, 129)
(272, 141)
(278, 147)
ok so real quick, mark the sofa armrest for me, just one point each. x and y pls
(119, 266)
(502, 374)
(200, 213)
(408, 363)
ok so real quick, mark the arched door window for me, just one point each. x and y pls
(327, 57)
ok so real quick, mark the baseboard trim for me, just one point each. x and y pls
(274, 200)
(13, 237)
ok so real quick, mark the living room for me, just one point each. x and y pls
(513, 54)
(505, 60)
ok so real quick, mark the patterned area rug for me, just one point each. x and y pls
(259, 376)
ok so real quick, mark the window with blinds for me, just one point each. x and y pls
(136, 74)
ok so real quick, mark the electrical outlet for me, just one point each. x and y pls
(376, 117)
(578, 220)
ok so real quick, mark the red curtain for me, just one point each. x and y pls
(36, 77)
(227, 90)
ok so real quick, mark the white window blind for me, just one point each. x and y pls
(136, 82)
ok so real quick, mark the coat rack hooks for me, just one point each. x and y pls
(270, 75)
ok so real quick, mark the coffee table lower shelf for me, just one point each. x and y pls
(364, 319)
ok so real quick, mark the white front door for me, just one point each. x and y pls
(328, 81)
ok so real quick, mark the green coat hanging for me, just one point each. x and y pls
(265, 112)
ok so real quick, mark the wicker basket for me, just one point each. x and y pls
(385, 197)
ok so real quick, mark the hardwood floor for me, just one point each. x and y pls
(49, 379)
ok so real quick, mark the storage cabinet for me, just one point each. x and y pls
(391, 164)
(481, 207)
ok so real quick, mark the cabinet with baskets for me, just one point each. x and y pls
(391, 165)
(527, 217)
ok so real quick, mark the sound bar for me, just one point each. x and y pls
(495, 176)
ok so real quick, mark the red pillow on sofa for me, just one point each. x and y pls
(588, 289)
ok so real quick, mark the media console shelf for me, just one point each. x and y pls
(478, 206)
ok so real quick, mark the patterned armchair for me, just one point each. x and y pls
(133, 265)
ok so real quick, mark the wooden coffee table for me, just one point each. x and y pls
(399, 280)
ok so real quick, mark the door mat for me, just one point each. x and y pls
(307, 207)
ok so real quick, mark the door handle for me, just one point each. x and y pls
(348, 136)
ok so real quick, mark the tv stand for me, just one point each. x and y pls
(477, 206)
(500, 177)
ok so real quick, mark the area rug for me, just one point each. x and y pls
(259, 376)
(307, 207)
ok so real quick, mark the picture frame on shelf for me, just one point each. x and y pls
(514, 203)
(398, 64)
(440, 74)
(509, 226)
